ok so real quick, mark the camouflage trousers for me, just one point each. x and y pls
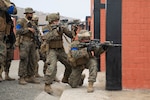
(9, 57)
(43, 58)
(27, 59)
(2, 56)
(76, 74)
(37, 56)
(53, 56)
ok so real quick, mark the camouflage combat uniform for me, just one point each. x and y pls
(35, 19)
(55, 51)
(80, 59)
(43, 48)
(6, 8)
(10, 40)
(27, 48)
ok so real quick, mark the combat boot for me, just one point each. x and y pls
(90, 87)
(7, 77)
(32, 80)
(64, 80)
(37, 75)
(22, 81)
(48, 89)
(82, 80)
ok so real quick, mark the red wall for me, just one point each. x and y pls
(92, 18)
(135, 44)
(102, 27)
(103, 36)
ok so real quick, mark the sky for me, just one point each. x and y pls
(70, 8)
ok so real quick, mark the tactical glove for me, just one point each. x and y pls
(105, 47)
(90, 48)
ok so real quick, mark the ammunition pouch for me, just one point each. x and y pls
(76, 62)
(81, 61)
(56, 44)
(71, 60)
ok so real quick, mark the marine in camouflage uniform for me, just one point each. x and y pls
(43, 49)
(27, 48)
(35, 19)
(81, 58)
(6, 8)
(10, 40)
(55, 50)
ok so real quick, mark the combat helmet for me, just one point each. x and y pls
(35, 17)
(84, 34)
(52, 17)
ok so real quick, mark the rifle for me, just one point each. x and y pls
(74, 23)
(95, 43)
(64, 22)
(35, 37)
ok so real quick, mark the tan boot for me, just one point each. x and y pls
(8, 78)
(90, 87)
(82, 80)
(48, 89)
(22, 81)
(37, 75)
(32, 80)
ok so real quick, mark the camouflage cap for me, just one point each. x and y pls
(35, 17)
(52, 17)
(29, 10)
(76, 21)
